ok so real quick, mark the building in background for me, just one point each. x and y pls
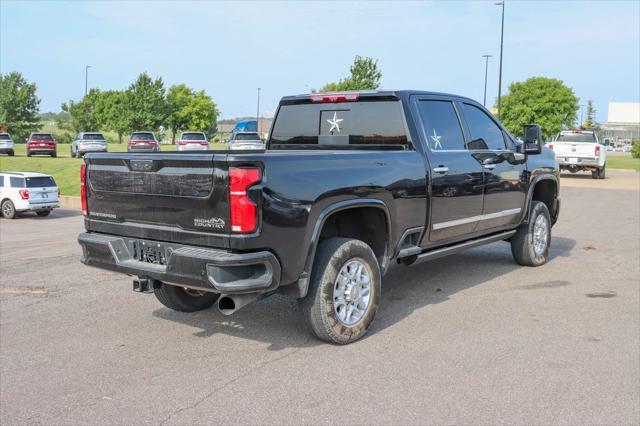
(623, 123)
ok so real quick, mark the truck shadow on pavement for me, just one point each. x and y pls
(278, 321)
(55, 214)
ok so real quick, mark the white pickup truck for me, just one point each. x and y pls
(578, 150)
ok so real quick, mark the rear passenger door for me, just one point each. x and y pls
(455, 176)
(504, 168)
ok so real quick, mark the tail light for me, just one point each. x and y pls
(83, 188)
(243, 210)
(550, 146)
(58, 193)
(24, 194)
(597, 150)
(204, 143)
(334, 97)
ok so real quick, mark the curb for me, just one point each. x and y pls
(69, 202)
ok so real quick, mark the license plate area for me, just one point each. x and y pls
(573, 160)
(149, 252)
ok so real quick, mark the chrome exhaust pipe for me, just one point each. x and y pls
(229, 304)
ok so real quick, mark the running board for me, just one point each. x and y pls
(446, 251)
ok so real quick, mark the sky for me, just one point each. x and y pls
(229, 49)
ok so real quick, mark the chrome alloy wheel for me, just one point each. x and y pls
(7, 209)
(540, 235)
(352, 291)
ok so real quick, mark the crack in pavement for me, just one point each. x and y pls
(230, 382)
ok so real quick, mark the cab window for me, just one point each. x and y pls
(485, 133)
(441, 124)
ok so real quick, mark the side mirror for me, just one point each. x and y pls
(532, 139)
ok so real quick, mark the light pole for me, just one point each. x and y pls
(486, 68)
(581, 115)
(500, 3)
(86, 78)
(258, 113)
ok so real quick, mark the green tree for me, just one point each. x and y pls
(590, 122)
(112, 112)
(178, 98)
(82, 115)
(18, 106)
(540, 100)
(146, 103)
(190, 110)
(202, 114)
(365, 75)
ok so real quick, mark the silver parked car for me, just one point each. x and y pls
(246, 140)
(88, 142)
(6, 144)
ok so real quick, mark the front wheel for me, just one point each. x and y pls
(184, 299)
(530, 244)
(8, 209)
(344, 291)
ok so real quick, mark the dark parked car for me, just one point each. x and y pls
(143, 142)
(349, 183)
(41, 143)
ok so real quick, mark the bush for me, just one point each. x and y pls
(635, 149)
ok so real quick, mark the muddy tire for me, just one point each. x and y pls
(344, 291)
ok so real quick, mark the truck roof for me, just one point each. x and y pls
(364, 95)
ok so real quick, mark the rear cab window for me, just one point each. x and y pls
(576, 136)
(371, 123)
(247, 137)
(4, 136)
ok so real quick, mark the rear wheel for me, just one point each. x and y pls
(344, 291)
(43, 213)
(530, 244)
(8, 209)
(184, 299)
(54, 154)
(602, 173)
(28, 153)
(12, 153)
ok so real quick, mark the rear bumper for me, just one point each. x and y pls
(579, 163)
(202, 268)
(85, 149)
(41, 150)
(6, 149)
(26, 206)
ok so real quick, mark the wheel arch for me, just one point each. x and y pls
(331, 216)
(544, 188)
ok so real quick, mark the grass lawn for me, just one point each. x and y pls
(64, 169)
(619, 162)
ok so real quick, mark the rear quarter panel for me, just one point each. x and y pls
(298, 186)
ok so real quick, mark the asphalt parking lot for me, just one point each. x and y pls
(469, 339)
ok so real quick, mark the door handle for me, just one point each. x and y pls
(490, 166)
(441, 169)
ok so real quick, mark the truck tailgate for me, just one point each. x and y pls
(176, 197)
(574, 149)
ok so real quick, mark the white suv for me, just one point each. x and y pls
(26, 191)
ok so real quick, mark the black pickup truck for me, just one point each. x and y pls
(347, 183)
